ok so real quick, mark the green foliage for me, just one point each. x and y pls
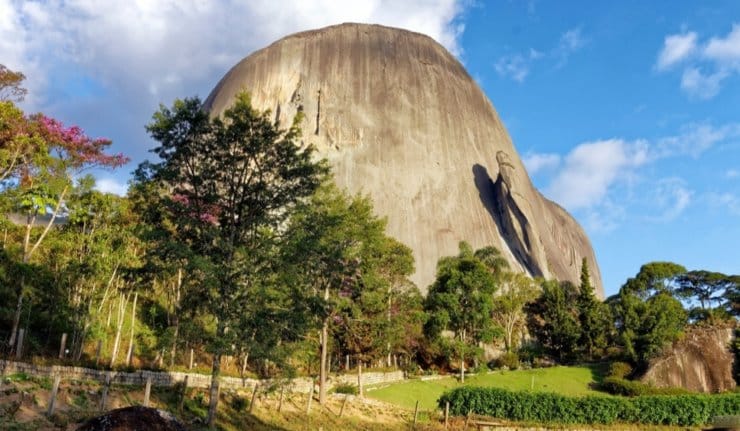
(683, 410)
(509, 360)
(620, 369)
(631, 388)
(461, 300)
(553, 320)
(594, 316)
(239, 403)
(346, 388)
(516, 290)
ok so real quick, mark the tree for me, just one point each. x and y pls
(553, 319)
(508, 306)
(232, 183)
(647, 315)
(594, 317)
(706, 287)
(353, 272)
(39, 164)
(461, 300)
(10, 85)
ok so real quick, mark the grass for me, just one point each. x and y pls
(573, 381)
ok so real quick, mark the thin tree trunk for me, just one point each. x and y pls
(360, 387)
(215, 379)
(176, 316)
(324, 354)
(119, 326)
(130, 354)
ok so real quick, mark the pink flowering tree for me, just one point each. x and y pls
(38, 175)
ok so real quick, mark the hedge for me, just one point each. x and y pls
(682, 410)
(633, 388)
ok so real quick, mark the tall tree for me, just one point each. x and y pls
(647, 315)
(594, 317)
(553, 319)
(232, 183)
(508, 306)
(706, 288)
(461, 300)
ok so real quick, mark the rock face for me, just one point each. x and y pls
(701, 362)
(400, 119)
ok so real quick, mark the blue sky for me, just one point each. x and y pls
(626, 113)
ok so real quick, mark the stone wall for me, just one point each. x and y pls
(170, 378)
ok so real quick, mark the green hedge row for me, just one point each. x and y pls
(683, 410)
(633, 388)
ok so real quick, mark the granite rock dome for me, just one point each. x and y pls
(400, 119)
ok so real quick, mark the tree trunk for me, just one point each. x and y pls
(130, 354)
(360, 387)
(119, 327)
(215, 379)
(324, 354)
(176, 317)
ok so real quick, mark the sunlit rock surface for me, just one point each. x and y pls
(400, 119)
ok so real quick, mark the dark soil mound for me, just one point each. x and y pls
(133, 418)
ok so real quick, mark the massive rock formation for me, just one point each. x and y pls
(702, 361)
(400, 119)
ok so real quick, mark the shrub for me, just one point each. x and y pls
(682, 410)
(239, 403)
(509, 360)
(620, 369)
(346, 388)
(631, 388)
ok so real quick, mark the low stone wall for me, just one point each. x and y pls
(170, 378)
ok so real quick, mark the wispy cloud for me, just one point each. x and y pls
(111, 185)
(536, 162)
(707, 65)
(726, 201)
(517, 66)
(598, 179)
(592, 168)
(676, 48)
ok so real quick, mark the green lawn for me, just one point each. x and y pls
(563, 380)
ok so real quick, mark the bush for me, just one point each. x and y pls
(509, 360)
(683, 410)
(631, 388)
(346, 388)
(239, 403)
(620, 369)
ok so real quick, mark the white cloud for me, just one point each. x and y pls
(732, 173)
(517, 66)
(708, 65)
(672, 196)
(726, 50)
(727, 201)
(676, 48)
(536, 162)
(700, 85)
(111, 185)
(693, 140)
(126, 57)
(592, 168)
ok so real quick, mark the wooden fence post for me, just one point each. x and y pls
(147, 390)
(62, 345)
(343, 403)
(447, 414)
(310, 398)
(53, 398)
(282, 393)
(183, 394)
(254, 395)
(104, 395)
(190, 367)
(416, 413)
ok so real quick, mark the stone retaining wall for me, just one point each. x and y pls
(170, 378)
